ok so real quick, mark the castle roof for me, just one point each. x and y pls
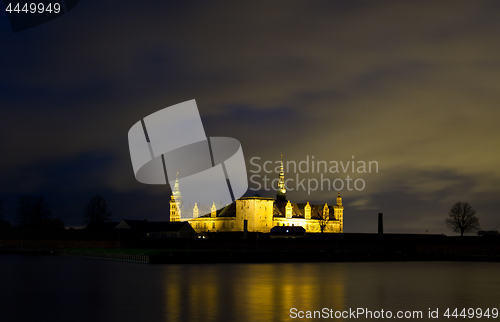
(227, 211)
(255, 197)
(298, 210)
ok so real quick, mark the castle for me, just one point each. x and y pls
(260, 214)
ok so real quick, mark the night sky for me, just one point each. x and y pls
(413, 85)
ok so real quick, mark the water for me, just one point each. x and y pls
(56, 288)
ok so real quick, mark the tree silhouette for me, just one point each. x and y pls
(24, 210)
(31, 211)
(324, 218)
(462, 218)
(40, 210)
(96, 210)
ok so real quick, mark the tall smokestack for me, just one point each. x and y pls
(380, 223)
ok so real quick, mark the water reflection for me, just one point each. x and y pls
(267, 292)
(55, 288)
(243, 292)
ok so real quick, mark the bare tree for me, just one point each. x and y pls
(324, 218)
(40, 210)
(24, 210)
(96, 210)
(31, 211)
(462, 218)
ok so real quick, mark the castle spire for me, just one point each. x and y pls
(176, 201)
(177, 191)
(281, 194)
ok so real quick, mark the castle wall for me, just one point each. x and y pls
(259, 214)
(208, 224)
(310, 225)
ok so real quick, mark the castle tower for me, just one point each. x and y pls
(213, 211)
(177, 192)
(257, 212)
(307, 210)
(176, 201)
(288, 210)
(175, 212)
(326, 212)
(196, 210)
(281, 193)
(338, 212)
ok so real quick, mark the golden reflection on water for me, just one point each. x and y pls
(267, 292)
(249, 291)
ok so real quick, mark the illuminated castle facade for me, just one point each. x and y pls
(261, 214)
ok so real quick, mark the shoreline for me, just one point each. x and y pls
(259, 247)
(246, 256)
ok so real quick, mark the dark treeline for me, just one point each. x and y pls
(34, 213)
